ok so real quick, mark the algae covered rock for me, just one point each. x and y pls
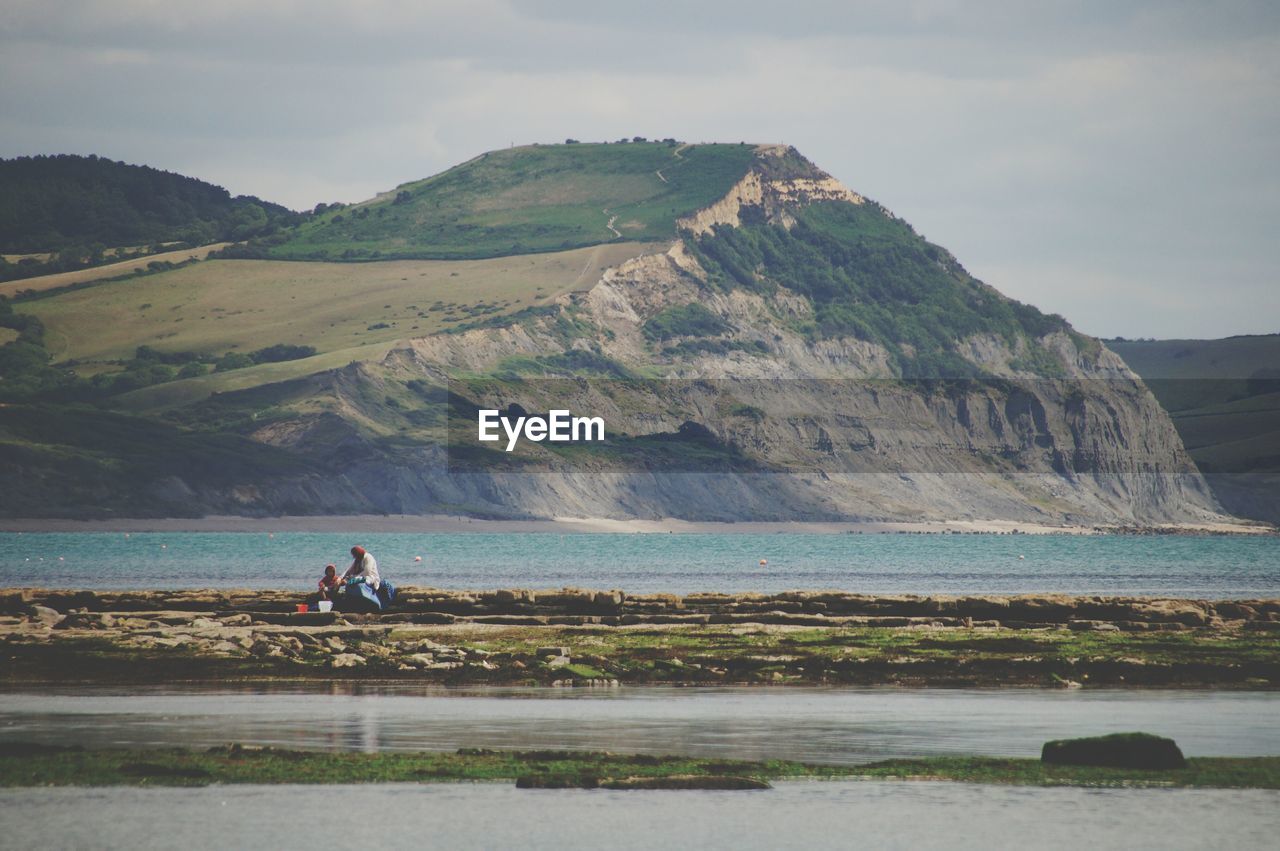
(1119, 750)
(646, 782)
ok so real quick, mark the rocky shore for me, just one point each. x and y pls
(604, 638)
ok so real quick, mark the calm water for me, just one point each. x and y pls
(831, 725)
(1191, 566)
(791, 815)
(821, 725)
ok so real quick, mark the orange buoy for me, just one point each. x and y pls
(417, 558)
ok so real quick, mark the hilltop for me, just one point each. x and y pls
(525, 200)
(684, 280)
(65, 212)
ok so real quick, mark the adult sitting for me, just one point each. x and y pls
(363, 588)
(363, 569)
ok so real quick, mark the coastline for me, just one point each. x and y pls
(439, 523)
(576, 637)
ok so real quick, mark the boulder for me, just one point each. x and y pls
(46, 615)
(1119, 750)
(607, 599)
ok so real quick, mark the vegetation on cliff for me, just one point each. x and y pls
(869, 275)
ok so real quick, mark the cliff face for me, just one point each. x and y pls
(795, 352)
(1050, 427)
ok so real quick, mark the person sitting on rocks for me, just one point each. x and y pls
(362, 587)
(329, 583)
(363, 570)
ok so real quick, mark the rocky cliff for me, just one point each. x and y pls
(1033, 423)
(794, 351)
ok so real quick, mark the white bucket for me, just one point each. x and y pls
(326, 605)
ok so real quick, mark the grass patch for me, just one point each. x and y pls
(239, 305)
(531, 199)
(55, 766)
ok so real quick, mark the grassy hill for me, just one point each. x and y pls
(329, 340)
(526, 200)
(223, 305)
(59, 213)
(1224, 397)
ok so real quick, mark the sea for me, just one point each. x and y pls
(837, 725)
(1194, 566)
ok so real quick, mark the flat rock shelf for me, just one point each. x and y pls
(576, 637)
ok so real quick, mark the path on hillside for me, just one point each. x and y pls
(609, 224)
(676, 154)
(592, 259)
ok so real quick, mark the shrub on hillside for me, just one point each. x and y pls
(684, 320)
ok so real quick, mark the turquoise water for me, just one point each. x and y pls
(1185, 566)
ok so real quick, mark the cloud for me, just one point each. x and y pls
(1110, 161)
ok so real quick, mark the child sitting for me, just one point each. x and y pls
(329, 583)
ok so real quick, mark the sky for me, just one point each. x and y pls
(1115, 162)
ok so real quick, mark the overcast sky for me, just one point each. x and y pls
(1117, 162)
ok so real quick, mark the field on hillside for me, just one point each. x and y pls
(529, 199)
(111, 270)
(1224, 397)
(1229, 357)
(241, 305)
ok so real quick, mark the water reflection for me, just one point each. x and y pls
(820, 725)
(792, 815)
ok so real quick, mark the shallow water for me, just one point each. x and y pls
(823, 725)
(792, 815)
(1185, 566)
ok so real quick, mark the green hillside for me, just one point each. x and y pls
(869, 275)
(328, 343)
(1224, 397)
(67, 212)
(526, 200)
